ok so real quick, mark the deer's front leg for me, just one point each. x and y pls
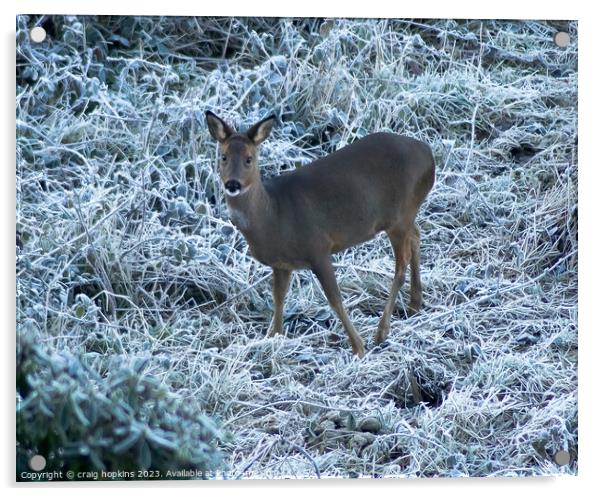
(280, 283)
(325, 274)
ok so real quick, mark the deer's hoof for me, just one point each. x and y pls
(381, 334)
(359, 351)
(413, 308)
(273, 331)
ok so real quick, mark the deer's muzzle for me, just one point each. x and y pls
(233, 188)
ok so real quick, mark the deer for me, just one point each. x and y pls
(299, 219)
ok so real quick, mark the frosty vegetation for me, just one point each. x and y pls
(140, 309)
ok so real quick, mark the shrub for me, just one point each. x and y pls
(127, 420)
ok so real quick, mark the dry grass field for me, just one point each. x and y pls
(129, 269)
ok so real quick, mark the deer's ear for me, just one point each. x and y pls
(217, 127)
(260, 131)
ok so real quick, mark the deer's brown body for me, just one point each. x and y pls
(297, 220)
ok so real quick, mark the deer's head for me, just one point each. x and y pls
(238, 152)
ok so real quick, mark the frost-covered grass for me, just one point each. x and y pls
(125, 250)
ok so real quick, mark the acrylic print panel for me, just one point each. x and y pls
(144, 263)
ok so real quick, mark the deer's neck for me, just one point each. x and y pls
(251, 211)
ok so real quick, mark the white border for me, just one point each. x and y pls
(589, 274)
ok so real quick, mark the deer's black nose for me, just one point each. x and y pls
(233, 186)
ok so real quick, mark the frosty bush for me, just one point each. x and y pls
(123, 421)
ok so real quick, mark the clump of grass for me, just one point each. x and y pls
(125, 248)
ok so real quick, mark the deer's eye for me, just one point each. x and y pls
(223, 158)
(248, 160)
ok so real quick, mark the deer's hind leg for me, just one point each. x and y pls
(401, 240)
(415, 284)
